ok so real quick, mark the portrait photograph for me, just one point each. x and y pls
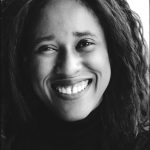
(75, 75)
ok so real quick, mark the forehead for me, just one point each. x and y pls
(60, 8)
(64, 13)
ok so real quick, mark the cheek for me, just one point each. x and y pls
(98, 60)
(41, 68)
(98, 63)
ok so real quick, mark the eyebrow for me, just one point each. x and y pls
(45, 38)
(51, 37)
(81, 34)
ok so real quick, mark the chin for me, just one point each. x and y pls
(74, 114)
(71, 118)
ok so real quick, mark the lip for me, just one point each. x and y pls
(68, 82)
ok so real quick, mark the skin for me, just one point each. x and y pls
(69, 48)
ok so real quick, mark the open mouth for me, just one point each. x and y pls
(72, 88)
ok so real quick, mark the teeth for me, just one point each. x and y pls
(62, 90)
(68, 90)
(73, 89)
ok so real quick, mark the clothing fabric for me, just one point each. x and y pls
(51, 133)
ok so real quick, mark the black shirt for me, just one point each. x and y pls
(51, 133)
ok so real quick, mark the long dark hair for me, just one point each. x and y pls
(125, 108)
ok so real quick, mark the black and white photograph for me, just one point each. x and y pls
(75, 75)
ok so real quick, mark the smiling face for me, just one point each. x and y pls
(70, 66)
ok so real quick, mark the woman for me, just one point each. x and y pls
(77, 76)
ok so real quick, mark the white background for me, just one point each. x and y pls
(141, 7)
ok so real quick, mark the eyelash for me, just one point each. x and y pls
(84, 44)
(46, 48)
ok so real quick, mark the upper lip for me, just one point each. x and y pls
(67, 81)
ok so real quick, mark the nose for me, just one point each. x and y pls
(68, 63)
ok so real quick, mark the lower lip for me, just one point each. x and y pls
(71, 97)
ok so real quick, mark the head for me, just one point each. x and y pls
(78, 55)
(70, 67)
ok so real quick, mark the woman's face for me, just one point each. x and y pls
(70, 66)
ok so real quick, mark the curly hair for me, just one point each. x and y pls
(125, 108)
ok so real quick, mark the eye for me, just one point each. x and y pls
(46, 49)
(85, 44)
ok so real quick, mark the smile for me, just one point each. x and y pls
(72, 89)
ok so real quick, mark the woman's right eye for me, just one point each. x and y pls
(46, 49)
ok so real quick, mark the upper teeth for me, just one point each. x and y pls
(73, 89)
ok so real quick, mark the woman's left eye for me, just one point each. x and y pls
(84, 44)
